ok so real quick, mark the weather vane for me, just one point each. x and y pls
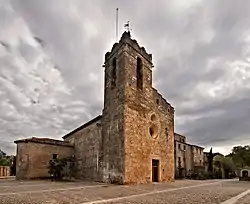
(126, 26)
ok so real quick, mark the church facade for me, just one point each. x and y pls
(132, 141)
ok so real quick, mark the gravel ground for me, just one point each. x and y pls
(183, 192)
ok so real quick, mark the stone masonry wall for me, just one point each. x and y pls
(127, 146)
(198, 156)
(189, 159)
(141, 112)
(112, 145)
(184, 151)
(180, 160)
(33, 158)
(86, 144)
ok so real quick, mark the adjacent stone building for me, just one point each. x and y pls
(188, 158)
(131, 142)
(34, 154)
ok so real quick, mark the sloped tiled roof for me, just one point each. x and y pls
(45, 141)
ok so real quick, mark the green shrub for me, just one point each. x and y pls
(56, 167)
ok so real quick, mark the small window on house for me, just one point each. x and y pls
(179, 146)
(157, 101)
(200, 161)
(184, 147)
(139, 73)
(54, 156)
(113, 75)
(200, 151)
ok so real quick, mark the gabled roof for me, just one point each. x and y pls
(99, 117)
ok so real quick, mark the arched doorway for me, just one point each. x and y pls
(244, 173)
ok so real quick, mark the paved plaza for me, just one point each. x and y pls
(178, 192)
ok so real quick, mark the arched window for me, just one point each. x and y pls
(113, 73)
(139, 73)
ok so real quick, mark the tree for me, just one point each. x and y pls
(229, 167)
(217, 162)
(240, 156)
(224, 167)
(5, 160)
(2, 154)
(56, 167)
(62, 167)
(210, 161)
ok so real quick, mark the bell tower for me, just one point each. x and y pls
(128, 67)
(129, 102)
(127, 75)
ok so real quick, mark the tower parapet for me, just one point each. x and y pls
(126, 39)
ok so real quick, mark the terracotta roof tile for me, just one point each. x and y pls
(45, 141)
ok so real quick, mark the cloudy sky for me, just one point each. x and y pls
(52, 51)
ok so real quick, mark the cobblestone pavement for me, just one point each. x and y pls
(244, 200)
(179, 192)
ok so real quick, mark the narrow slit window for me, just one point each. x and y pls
(139, 73)
(113, 77)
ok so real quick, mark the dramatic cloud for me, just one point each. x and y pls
(52, 51)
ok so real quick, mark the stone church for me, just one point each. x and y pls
(131, 142)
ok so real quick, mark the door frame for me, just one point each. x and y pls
(151, 167)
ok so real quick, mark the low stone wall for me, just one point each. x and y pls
(244, 178)
(4, 171)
